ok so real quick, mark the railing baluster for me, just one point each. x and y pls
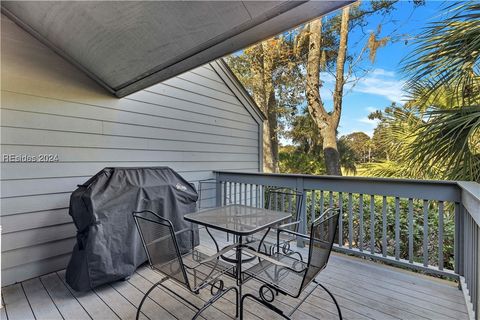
(360, 212)
(240, 193)
(235, 193)
(283, 202)
(410, 230)
(397, 228)
(340, 219)
(440, 235)
(384, 226)
(251, 195)
(330, 200)
(372, 224)
(245, 194)
(350, 221)
(312, 209)
(425, 233)
(257, 196)
(321, 202)
(290, 207)
(276, 200)
(224, 195)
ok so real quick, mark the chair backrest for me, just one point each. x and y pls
(322, 237)
(161, 246)
(286, 200)
(207, 194)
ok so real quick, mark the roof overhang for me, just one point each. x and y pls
(127, 46)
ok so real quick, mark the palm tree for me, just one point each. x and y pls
(444, 83)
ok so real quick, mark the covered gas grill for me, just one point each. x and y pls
(108, 245)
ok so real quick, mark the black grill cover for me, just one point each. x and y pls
(108, 244)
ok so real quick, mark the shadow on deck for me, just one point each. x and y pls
(364, 289)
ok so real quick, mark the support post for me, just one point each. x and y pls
(303, 211)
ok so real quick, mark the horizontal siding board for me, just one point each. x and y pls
(23, 119)
(183, 84)
(17, 188)
(147, 132)
(197, 97)
(34, 269)
(21, 136)
(193, 123)
(43, 251)
(40, 202)
(32, 237)
(130, 111)
(18, 171)
(200, 79)
(27, 119)
(216, 109)
(68, 154)
(32, 220)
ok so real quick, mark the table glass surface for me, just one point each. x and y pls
(238, 219)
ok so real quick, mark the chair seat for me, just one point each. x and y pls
(286, 278)
(198, 272)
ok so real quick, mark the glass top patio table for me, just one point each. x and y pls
(238, 219)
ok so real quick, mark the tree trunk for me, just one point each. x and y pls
(327, 122)
(271, 104)
(330, 151)
(264, 96)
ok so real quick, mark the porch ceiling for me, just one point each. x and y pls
(128, 46)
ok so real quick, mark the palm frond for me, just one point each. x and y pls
(449, 140)
(447, 55)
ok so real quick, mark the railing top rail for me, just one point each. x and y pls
(405, 188)
(471, 198)
(355, 178)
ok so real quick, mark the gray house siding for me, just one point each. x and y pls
(195, 123)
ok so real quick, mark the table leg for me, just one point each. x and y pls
(239, 277)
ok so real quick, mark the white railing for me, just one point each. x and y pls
(432, 226)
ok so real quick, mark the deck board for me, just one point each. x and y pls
(40, 302)
(91, 302)
(17, 303)
(364, 289)
(63, 299)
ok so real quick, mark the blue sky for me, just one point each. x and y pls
(383, 84)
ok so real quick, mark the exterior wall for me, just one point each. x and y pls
(193, 123)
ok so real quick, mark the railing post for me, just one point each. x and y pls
(303, 211)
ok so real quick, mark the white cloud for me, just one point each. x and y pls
(383, 72)
(382, 83)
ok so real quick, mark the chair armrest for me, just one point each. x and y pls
(301, 235)
(219, 253)
(184, 230)
(289, 224)
(269, 259)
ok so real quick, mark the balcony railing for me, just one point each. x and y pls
(432, 226)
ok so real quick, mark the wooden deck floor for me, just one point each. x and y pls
(365, 290)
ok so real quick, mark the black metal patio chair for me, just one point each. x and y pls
(283, 274)
(286, 200)
(173, 254)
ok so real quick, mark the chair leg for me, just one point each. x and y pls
(146, 295)
(331, 296)
(214, 299)
(266, 304)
